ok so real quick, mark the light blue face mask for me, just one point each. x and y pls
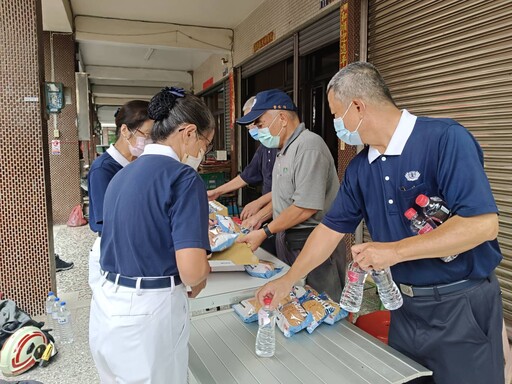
(266, 138)
(254, 133)
(351, 138)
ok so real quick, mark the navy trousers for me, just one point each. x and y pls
(327, 277)
(457, 336)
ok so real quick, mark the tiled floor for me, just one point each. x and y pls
(73, 364)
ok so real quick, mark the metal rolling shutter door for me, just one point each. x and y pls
(320, 33)
(454, 59)
(275, 53)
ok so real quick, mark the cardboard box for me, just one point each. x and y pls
(217, 208)
(233, 259)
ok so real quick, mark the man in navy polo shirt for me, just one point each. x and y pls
(451, 319)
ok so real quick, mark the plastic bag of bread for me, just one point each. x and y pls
(291, 316)
(227, 225)
(318, 308)
(248, 310)
(264, 269)
(302, 292)
(222, 241)
(338, 313)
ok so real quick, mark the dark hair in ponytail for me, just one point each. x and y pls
(134, 113)
(172, 107)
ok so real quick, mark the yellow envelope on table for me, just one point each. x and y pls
(233, 259)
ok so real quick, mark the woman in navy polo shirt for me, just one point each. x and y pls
(133, 129)
(154, 243)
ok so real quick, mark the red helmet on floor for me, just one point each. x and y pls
(22, 350)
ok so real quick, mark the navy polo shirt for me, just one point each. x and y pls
(101, 172)
(153, 207)
(260, 168)
(439, 158)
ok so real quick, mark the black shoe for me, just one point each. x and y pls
(61, 265)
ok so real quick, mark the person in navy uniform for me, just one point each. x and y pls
(133, 129)
(451, 319)
(259, 170)
(154, 244)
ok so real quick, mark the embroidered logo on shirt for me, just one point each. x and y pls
(412, 175)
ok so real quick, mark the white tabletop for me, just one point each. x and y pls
(221, 350)
(227, 288)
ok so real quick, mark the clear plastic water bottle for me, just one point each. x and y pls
(421, 224)
(389, 294)
(266, 337)
(352, 295)
(64, 324)
(55, 311)
(49, 307)
(434, 207)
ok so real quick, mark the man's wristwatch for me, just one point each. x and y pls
(267, 231)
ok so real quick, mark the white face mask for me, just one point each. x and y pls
(192, 161)
(137, 149)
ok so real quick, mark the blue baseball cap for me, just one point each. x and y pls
(273, 99)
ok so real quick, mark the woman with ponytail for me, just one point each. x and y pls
(154, 244)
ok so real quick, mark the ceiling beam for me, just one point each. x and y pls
(177, 78)
(123, 91)
(133, 83)
(152, 34)
(116, 101)
(57, 16)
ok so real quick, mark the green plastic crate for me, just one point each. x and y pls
(213, 180)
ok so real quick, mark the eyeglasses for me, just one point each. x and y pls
(146, 135)
(209, 146)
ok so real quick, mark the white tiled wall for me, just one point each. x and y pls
(281, 16)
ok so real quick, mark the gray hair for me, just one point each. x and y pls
(171, 112)
(248, 104)
(360, 80)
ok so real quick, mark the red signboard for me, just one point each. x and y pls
(265, 40)
(208, 83)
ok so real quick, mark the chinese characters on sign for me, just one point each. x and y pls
(344, 36)
(264, 41)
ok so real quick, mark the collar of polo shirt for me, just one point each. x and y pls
(398, 140)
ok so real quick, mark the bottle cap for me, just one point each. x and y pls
(51, 293)
(410, 213)
(56, 298)
(62, 303)
(422, 200)
(267, 300)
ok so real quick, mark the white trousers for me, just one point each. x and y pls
(140, 338)
(94, 263)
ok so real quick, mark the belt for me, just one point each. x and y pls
(445, 289)
(145, 282)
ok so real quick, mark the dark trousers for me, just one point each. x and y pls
(457, 336)
(328, 277)
(269, 245)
